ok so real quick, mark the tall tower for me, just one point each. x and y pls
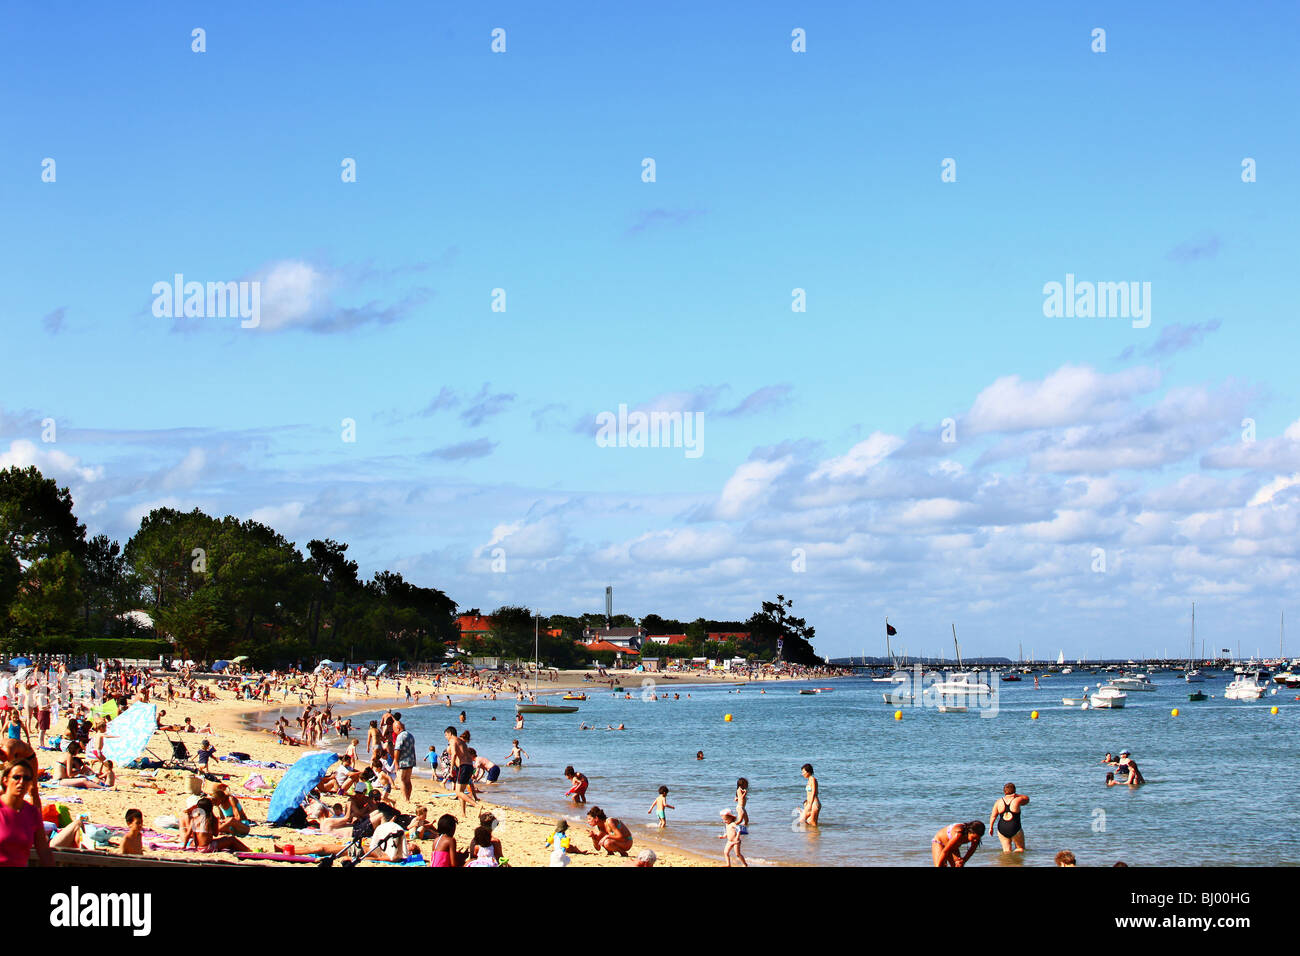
(609, 605)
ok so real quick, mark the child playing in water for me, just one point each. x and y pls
(661, 803)
(517, 755)
(732, 836)
(577, 785)
(742, 798)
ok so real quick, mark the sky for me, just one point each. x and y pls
(922, 441)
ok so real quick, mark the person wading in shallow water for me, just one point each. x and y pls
(1005, 819)
(947, 841)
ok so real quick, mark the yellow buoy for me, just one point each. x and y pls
(1174, 712)
(727, 718)
(1033, 715)
(898, 715)
(1274, 709)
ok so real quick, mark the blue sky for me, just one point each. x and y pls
(775, 170)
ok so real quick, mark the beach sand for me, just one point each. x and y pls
(522, 834)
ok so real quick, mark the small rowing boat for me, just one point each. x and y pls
(544, 709)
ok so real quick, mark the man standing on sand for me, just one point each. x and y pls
(462, 767)
(404, 744)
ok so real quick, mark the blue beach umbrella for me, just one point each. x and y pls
(297, 782)
(220, 665)
(20, 661)
(129, 734)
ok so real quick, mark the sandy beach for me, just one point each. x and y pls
(235, 726)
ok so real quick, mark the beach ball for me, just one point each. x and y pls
(1273, 710)
(1174, 712)
(898, 715)
(727, 718)
(1033, 715)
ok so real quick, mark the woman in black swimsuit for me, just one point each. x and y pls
(1005, 819)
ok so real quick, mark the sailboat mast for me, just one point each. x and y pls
(956, 646)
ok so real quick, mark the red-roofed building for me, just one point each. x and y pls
(474, 625)
(607, 646)
(667, 638)
(628, 638)
(722, 637)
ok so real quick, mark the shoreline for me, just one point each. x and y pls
(239, 725)
(253, 719)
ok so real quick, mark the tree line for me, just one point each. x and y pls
(222, 587)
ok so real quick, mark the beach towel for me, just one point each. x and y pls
(256, 782)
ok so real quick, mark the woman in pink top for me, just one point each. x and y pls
(20, 822)
(444, 847)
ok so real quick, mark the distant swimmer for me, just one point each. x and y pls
(519, 721)
(699, 755)
(946, 843)
(1005, 819)
(1110, 780)
(812, 803)
(1066, 858)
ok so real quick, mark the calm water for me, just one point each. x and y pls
(1223, 776)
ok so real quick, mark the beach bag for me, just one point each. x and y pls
(166, 823)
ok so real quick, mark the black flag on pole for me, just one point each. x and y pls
(891, 630)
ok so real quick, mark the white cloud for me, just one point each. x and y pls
(748, 487)
(49, 461)
(859, 459)
(1070, 395)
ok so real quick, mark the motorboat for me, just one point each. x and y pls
(960, 682)
(1011, 677)
(1196, 695)
(1109, 697)
(898, 697)
(1194, 677)
(1133, 682)
(1067, 670)
(1245, 687)
(951, 709)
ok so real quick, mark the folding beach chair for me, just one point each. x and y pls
(180, 759)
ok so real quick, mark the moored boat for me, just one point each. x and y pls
(1109, 697)
(544, 709)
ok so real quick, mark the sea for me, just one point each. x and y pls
(1223, 776)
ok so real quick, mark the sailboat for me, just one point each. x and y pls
(894, 678)
(1193, 675)
(525, 708)
(958, 687)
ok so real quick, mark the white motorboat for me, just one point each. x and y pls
(1067, 670)
(898, 697)
(1133, 682)
(1109, 697)
(960, 682)
(1245, 687)
(951, 709)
